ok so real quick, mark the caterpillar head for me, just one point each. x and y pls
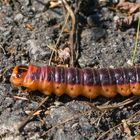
(17, 76)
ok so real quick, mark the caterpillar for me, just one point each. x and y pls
(74, 81)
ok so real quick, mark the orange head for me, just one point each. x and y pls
(18, 75)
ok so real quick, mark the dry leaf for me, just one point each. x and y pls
(54, 4)
(64, 54)
(126, 128)
(29, 26)
(128, 6)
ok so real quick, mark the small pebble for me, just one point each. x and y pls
(18, 17)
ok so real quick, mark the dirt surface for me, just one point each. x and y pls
(26, 30)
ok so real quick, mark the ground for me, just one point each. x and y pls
(27, 28)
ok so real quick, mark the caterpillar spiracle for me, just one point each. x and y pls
(74, 81)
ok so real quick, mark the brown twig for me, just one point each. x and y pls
(22, 125)
(20, 98)
(108, 107)
(4, 52)
(72, 34)
(60, 35)
(125, 102)
(77, 34)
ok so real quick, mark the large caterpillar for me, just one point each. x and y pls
(74, 82)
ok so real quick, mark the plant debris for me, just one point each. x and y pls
(78, 33)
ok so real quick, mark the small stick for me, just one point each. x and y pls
(60, 35)
(20, 98)
(108, 107)
(72, 34)
(125, 102)
(3, 49)
(22, 125)
(77, 32)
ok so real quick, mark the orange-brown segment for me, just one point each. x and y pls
(124, 89)
(109, 91)
(91, 91)
(135, 88)
(35, 79)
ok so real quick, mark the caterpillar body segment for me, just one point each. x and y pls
(74, 82)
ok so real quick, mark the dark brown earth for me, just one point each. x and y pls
(26, 30)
